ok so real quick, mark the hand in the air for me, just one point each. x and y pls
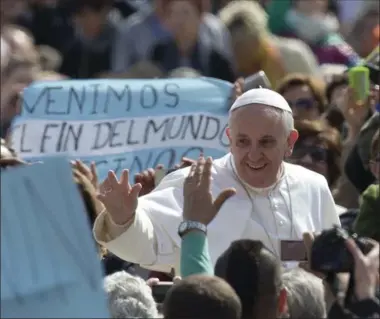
(366, 270)
(119, 197)
(147, 179)
(89, 172)
(198, 204)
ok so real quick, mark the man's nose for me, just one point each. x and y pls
(254, 153)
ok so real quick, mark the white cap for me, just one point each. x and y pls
(261, 96)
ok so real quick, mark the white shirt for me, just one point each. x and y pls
(153, 242)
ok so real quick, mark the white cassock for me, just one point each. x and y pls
(300, 202)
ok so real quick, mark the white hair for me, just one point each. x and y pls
(129, 297)
(251, 14)
(306, 295)
(286, 117)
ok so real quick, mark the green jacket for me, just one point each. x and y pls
(367, 223)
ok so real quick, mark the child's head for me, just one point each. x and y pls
(375, 155)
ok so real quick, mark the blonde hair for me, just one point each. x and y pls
(249, 15)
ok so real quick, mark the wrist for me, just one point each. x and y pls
(121, 223)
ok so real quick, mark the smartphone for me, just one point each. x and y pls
(358, 78)
(160, 289)
(293, 250)
(257, 80)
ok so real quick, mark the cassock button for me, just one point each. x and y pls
(281, 223)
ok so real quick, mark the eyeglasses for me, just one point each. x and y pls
(302, 104)
(317, 154)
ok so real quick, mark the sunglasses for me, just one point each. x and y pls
(302, 104)
(317, 154)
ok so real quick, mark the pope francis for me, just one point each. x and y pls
(275, 201)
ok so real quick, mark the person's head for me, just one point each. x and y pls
(362, 36)
(335, 88)
(306, 296)
(89, 15)
(261, 134)
(374, 163)
(184, 72)
(183, 19)
(17, 73)
(247, 23)
(305, 95)
(129, 297)
(201, 297)
(318, 148)
(255, 274)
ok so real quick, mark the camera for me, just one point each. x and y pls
(329, 253)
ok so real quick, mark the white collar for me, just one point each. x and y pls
(260, 191)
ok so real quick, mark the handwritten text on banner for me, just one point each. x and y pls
(119, 124)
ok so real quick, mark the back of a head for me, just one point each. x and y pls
(202, 297)
(184, 72)
(255, 274)
(305, 294)
(129, 297)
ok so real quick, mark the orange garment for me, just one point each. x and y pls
(376, 36)
(269, 59)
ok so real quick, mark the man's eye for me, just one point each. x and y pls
(268, 143)
(242, 142)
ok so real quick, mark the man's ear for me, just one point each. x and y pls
(292, 139)
(282, 306)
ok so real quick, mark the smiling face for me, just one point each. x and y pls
(259, 141)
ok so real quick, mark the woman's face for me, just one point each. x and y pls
(183, 19)
(302, 102)
(311, 154)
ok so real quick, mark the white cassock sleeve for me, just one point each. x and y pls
(151, 240)
(329, 212)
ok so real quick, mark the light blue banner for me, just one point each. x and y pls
(134, 124)
(49, 263)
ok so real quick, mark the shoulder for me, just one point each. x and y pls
(313, 179)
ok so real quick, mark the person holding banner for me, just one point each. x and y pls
(275, 202)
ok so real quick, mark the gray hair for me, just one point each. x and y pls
(306, 295)
(129, 296)
(286, 117)
(184, 72)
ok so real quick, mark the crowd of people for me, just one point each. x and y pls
(231, 237)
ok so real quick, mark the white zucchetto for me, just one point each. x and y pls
(261, 96)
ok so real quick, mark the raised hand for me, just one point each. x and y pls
(89, 172)
(366, 269)
(147, 179)
(119, 197)
(198, 204)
